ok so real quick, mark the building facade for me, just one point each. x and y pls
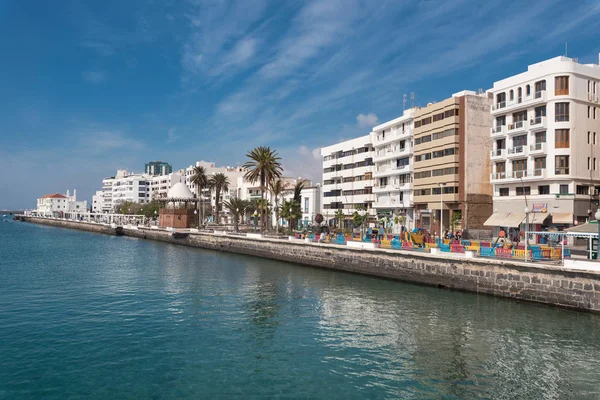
(125, 186)
(451, 163)
(54, 205)
(546, 150)
(157, 168)
(160, 185)
(393, 169)
(98, 201)
(348, 178)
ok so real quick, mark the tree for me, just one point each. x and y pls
(456, 218)
(236, 207)
(359, 217)
(263, 166)
(339, 216)
(291, 211)
(200, 181)
(277, 190)
(219, 182)
(319, 220)
(298, 191)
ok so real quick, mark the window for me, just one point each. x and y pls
(511, 95)
(561, 112)
(563, 189)
(561, 85)
(500, 167)
(503, 191)
(540, 86)
(520, 116)
(562, 165)
(595, 165)
(523, 190)
(589, 137)
(589, 111)
(579, 189)
(527, 90)
(539, 165)
(561, 137)
(519, 95)
(544, 189)
(519, 141)
(540, 137)
(520, 166)
(589, 163)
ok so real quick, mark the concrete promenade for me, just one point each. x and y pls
(575, 286)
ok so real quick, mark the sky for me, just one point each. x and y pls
(89, 87)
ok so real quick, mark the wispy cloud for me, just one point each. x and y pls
(102, 141)
(367, 121)
(94, 76)
(171, 136)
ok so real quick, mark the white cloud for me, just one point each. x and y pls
(100, 141)
(367, 121)
(171, 136)
(94, 76)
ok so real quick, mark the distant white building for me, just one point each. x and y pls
(125, 186)
(160, 185)
(310, 204)
(348, 177)
(98, 201)
(54, 205)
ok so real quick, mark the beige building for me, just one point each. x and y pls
(452, 162)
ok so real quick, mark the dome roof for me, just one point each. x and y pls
(179, 191)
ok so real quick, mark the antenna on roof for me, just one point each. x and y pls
(566, 49)
(404, 102)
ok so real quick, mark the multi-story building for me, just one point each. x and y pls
(160, 185)
(98, 201)
(451, 162)
(348, 177)
(125, 186)
(156, 168)
(311, 203)
(393, 158)
(546, 149)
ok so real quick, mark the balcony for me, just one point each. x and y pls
(517, 152)
(498, 131)
(388, 154)
(392, 188)
(391, 202)
(538, 148)
(396, 170)
(517, 127)
(393, 136)
(498, 154)
(538, 124)
(519, 102)
(515, 176)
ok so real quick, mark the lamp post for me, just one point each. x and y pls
(597, 215)
(237, 216)
(526, 231)
(441, 208)
(255, 215)
(196, 218)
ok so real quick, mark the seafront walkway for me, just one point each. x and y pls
(540, 255)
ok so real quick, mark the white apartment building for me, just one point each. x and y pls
(348, 177)
(393, 170)
(546, 145)
(311, 204)
(125, 186)
(98, 201)
(53, 205)
(160, 184)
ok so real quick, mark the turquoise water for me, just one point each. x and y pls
(90, 316)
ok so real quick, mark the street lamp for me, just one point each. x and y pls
(441, 207)
(255, 215)
(526, 231)
(597, 215)
(196, 218)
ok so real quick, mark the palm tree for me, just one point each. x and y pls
(277, 189)
(264, 167)
(298, 191)
(236, 207)
(219, 182)
(291, 211)
(200, 181)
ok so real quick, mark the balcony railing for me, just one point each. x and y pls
(561, 171)
(517, 126)
(497, 153)
(498, 130)
(537, 122)
(538, 148)
(539, 173)
(537, 97)
(517, 151)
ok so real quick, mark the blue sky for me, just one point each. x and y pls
(89, 87)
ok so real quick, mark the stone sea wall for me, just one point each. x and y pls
(540, 283)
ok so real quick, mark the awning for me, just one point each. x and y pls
(562, 218)
(589, 227)
(537, 218)
(497, 219)
(513, 220)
